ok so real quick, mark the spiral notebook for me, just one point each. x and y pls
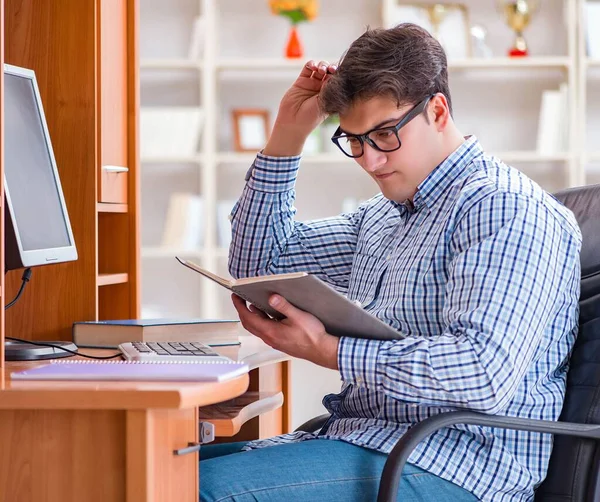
(209, 371)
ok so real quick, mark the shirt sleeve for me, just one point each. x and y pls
(513, 265)
(267, 240)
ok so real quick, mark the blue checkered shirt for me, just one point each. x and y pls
(480, 274)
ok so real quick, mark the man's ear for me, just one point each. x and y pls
(439, 111)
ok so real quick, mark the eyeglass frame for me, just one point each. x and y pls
(414, 112)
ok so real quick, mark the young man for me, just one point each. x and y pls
(471, 261)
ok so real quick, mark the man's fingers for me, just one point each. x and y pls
(257, 311)
(286, 308)
(308, 69)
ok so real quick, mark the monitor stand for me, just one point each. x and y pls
(21, 351)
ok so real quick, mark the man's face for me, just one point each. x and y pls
(400, 172)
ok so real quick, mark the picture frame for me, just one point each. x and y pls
(448, 22)
(251, 128)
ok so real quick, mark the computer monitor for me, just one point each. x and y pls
(37, 226)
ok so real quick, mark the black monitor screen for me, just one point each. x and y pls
(29, 173)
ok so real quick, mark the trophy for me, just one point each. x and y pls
(518, 15)
(437, 13)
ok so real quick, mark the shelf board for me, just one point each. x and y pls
(170, 64)
(507, 63)
(109, 279)
(265, 63)
(191, 159)
(104, 207)
(229, 416)
(248, 158)
(163, 252)
(267, 68)
(531, 156)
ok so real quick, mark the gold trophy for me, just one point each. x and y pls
(437, 13)
(518, 15)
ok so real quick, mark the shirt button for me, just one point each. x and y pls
(359, 381)
(388, 257)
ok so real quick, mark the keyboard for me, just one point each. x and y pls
(170, 352)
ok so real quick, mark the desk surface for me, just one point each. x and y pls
(131, 395)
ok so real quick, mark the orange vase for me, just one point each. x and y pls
(294, 47)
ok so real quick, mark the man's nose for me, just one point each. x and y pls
(373, 159)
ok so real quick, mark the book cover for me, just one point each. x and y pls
(77, 369)
(340, 316)
(111, 333)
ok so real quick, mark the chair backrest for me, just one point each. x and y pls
(574, 470)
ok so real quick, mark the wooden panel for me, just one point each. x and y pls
(228, 417)
(270, 379)
(109, 279)
(56, 456)
(154, 473)
(133, 108)
(114, 302)
(113, 243)
(286, 376)
(57, 40)
(113, 86)
(111, 208)
(2, 288)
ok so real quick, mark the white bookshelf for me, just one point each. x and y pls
(242, 67)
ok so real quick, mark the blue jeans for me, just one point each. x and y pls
(309, 471)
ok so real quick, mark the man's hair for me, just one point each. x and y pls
(405, 63)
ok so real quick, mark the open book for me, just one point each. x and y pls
(340, 316)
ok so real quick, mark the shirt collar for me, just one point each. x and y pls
(457, 164)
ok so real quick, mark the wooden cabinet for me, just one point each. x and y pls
(160, 433)
(84, 54)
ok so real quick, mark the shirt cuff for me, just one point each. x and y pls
(273, 174)
(357, 361)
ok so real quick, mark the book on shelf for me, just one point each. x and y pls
(109, 334)
(553, 123)
(184, 222)
(182, 371)
(339, 315)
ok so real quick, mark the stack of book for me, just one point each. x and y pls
(109, 334)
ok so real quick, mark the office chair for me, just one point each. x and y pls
(574, 468)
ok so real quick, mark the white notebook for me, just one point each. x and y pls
(209, 371)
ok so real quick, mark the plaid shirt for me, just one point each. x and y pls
(480, 274)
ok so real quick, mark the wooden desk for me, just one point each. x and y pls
(107, 441)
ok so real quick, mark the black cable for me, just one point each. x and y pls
(42, 344)
(25, 279)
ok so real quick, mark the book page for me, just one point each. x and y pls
(267, 278)
(213, 277)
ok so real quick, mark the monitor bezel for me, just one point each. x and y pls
(35, 257)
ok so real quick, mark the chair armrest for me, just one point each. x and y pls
(392, 471)
(314, 424)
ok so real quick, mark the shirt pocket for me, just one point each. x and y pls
(364, 277)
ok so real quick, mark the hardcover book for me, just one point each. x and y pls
(110, 334)
(340, 316)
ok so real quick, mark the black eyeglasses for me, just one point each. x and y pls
(384, 139)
